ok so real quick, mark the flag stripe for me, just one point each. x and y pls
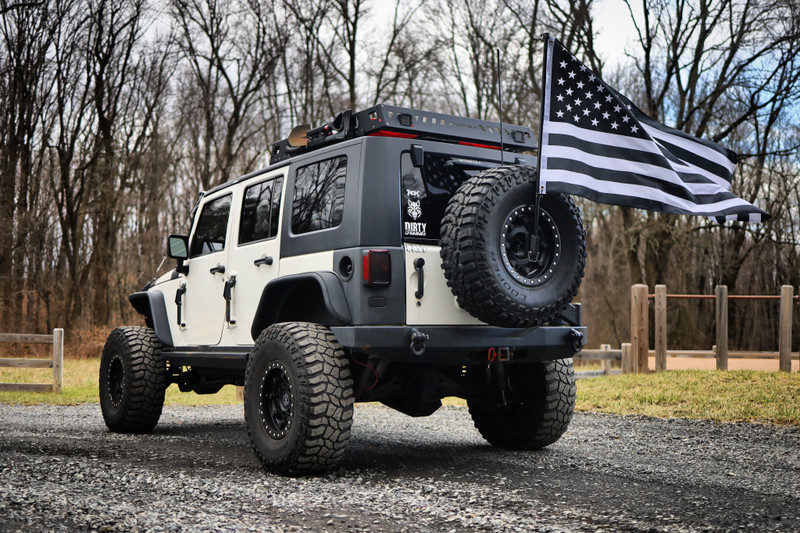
(616, 152)
(611, 141)
(694, 155)
(715, 152)
(639, 196)
(645, 184)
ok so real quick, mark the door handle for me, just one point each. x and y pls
(266, 260)
(227, 294)
(419, 263)
(219, 269)
(179, 302)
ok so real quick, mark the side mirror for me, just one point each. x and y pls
(178, 248)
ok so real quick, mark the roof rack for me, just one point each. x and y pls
(393, 121)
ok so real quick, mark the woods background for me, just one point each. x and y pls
(114, 113)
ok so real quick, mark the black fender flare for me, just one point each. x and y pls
(151, 304)
(273, 298)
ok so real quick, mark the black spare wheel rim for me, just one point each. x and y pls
(116, 381)
(277, 400)
(518, 247)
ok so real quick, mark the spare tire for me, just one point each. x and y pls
(486, 251)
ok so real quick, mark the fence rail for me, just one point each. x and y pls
(640, 299)
(634, 356)
(56, 363)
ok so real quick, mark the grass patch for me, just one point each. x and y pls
(736, 396)
(81, 386)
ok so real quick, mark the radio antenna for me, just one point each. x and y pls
(500, 107)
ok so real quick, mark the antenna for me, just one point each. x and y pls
(500, 107)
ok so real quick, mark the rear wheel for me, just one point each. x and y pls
(539, 410)
(133, 378)
(298, 398)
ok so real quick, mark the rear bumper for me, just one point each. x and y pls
(446, 345)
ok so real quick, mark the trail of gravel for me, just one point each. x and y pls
(61, 470)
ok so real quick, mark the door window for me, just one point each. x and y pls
(209, 236)
(260, 211)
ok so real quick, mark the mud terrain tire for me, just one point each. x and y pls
(298, 398)
(540, 412)
(133, 378)
(486, 234)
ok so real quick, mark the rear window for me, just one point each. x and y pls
(426, 192)
(319, 195)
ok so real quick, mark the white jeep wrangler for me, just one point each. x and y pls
(392, 255)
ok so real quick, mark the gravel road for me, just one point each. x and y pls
(61, 470)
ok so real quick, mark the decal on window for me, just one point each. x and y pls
(414, 208)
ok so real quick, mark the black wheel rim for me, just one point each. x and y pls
(528, 267)
(116, 380)
(277, 400)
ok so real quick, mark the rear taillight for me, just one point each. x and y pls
(377, 267)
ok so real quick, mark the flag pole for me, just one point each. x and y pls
(500, 106)
(535, 241)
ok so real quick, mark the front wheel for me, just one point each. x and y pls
(133, 379)
(542, 400)
(298, 398)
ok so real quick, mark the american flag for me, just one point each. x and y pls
(595, 143)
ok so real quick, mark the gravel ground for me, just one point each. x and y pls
(61, 470)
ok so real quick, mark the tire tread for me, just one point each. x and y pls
(323, 369)
(466, 262)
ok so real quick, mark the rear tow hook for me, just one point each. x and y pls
(418, 339)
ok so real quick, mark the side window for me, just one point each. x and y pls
(319, 195)
(260, 211)
(211, 227)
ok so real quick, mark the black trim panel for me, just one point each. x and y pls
(448, 345)
(273, 297)
(151, 304)
(228, 358)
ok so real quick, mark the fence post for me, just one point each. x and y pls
(785, 329)
(58, 360)
(606, 363)
(721, 292)
(640, 340)
(660, 319)
(627, 358)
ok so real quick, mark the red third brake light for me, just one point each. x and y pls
(397, 134)
(377, 267)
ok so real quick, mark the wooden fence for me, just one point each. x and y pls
(56, 363)
(634, 356)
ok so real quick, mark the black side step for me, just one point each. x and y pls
(231, 358)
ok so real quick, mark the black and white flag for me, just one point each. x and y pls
(595, 143)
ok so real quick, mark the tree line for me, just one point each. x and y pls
(115, 113)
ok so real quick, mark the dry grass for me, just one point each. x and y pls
(81, 386)
(737, 396)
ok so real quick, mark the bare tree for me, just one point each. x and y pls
(115, 31)
(231, 49)
(72, 114)
(715, 69)
(27, 34)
